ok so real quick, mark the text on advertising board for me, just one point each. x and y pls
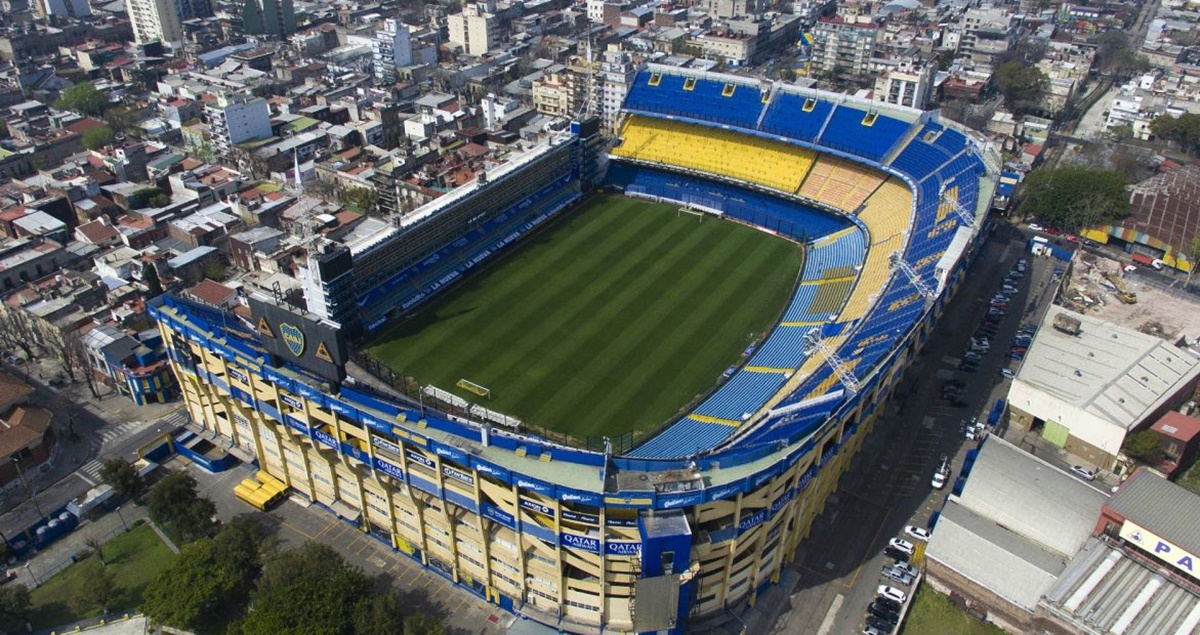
(1159, 548)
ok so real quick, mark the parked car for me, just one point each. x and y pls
(1083, 473)
(1035, 227)
(920, 533)
(883, 610)
(907, 568)
(871, 630)
(1008, 374)
(880, 623)
(891, 593)
(13, 359)
(896, 554)
(903, 578)
(938, 481)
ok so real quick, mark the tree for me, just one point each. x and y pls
(97, 587)
(1021, 85)
(98, 137)
(380, 614)
(68, 348)
(1146, 445)
(154, 286)
(1073, 197)
(84, 98)
(1193, 258)
(1183, 130)
(120, 475)
(309, 589)
(216, 270)
(423, 624)
(177, 508)
(93, 542)
(15, 609)
(120, 119)
(208, 586)
(18, 331)
(360, 199)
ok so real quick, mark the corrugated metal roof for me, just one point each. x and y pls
(1162, 507)
(1032, 497)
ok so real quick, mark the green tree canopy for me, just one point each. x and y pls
(1073, 197)
(177, 508)
(1183, 130)
(1021, 85)
(15, 608)
(98, 137)
(97, 587)
(154, 286)
(84, 98)
(120, 475)
(309, 589)
(1146, 445)
(208, 586)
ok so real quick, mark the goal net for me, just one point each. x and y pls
(475, 388)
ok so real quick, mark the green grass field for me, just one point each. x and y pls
(135, 558)
(612, 320)
(932, 613)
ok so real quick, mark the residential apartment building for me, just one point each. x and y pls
(154, 20)
(392, 48)
(476, 28)
(269, 17)
(843, 47)
(987, 33)
(910, 83)
(237, 118)
(616, 72)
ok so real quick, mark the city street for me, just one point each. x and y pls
(888, 486)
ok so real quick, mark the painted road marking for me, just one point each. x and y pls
(831, 615)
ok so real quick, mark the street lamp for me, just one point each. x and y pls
(122, 518)
(32, 488)
(30, 572)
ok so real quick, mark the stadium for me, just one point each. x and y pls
(887, 203)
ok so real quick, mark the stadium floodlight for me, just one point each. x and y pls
(475, 388)
(953, 204)
(915, 278)
(814, 342)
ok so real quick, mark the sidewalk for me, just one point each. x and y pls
(44, 564)
(78, 420)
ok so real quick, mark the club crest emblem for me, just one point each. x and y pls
(293, 337)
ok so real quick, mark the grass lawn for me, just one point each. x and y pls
(134, 557)
(933, 614)
(611, 320)
(1190, 479)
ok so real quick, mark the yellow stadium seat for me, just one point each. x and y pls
(774, 164)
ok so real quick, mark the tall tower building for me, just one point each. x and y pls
(154, 20)
(191, 9)
(269, 17)
(617, 72)
(393, 48)
(476, 28)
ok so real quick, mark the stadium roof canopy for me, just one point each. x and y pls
(1113, 373)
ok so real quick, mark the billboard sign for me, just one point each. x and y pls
(299, 338)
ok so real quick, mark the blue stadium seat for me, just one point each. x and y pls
(786, 116)
(743, 394)
(705, 101)
(686, 437)
(788, 218)
(847, 132)
(843, 251)
(783, 349)
(797, 310)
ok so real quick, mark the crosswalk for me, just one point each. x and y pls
(90, 471)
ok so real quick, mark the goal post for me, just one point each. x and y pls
(474, 388)
(687, 209)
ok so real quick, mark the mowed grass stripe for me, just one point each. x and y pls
(599, 359)
(467, 326)
(766, 269)
(561, 322)
(610, 320)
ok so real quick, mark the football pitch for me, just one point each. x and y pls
(611, 320)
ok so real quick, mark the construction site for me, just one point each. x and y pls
(1115, 292)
